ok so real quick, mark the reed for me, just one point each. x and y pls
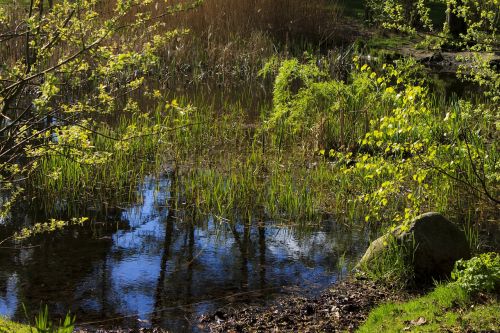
(228, 43)
(64, 184)
(229, 161)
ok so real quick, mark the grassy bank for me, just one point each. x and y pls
(446, 309)
(468, 304)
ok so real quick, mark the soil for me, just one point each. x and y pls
(341, 308)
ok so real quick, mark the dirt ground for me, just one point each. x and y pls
(341, 308)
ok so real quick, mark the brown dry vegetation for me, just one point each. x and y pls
(228, 40)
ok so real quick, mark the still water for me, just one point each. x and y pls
(150, 267)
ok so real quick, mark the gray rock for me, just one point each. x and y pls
(437, 244)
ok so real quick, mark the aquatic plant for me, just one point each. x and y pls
(43, 324)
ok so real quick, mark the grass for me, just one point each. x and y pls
(7, 326)
(446, 309)
(389, 42)
(108, 171)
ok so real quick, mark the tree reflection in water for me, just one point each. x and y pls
(155, 263)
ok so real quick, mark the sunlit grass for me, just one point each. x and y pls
(7, 326)
(447, 309)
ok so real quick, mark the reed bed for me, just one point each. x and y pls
(228, 43)
(66, 186)
(228, 166)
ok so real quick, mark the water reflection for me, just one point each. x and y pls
(165, 270)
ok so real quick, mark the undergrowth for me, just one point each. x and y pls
(469, 304)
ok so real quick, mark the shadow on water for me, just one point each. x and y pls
(152, 268)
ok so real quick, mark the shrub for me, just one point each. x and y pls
(481, 273)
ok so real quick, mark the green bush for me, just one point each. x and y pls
(481, 273)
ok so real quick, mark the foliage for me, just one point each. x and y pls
(471, 25)
(446, 309)
(47, 227)
(51, 226)
(481, 273)
(477, 68)
(130, 149)
(401, 15)
(480, 19)
(382, 129)
(67, 67)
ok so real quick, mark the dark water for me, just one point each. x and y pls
(151, 268)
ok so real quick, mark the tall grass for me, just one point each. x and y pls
(229, 41)
(64, 183)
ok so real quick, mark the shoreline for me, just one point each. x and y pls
(341, 307)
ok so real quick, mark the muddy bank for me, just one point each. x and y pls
(342, 307)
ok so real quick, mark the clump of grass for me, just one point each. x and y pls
(43, 324)
(241, 192)
(393, 266)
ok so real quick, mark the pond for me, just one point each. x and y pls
(150, 267)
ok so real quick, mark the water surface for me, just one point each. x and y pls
(149, 267)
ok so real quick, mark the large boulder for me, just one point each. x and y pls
(436, 245)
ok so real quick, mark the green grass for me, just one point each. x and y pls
(7, 326)
(392, 42)
(62, 178)
(447, 309)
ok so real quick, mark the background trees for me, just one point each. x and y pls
(469, 23)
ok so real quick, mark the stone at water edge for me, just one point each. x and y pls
(438, 245)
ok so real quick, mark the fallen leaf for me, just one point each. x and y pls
(419, 322)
